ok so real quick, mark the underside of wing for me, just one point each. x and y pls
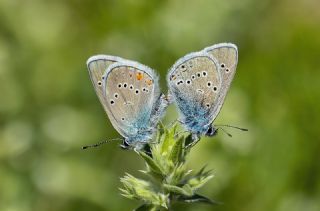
(131, 90)
(226, 55)
(97, 66)
(194, 82)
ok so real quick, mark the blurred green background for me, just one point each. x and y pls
(48, 108)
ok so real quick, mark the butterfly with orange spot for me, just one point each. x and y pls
(134, 105)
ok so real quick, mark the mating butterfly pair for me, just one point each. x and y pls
(130, 93)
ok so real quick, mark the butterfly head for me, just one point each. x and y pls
(211, 131)
(125, 145)
(129, 144)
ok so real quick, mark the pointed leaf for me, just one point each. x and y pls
(197, 198)
(164, 142)
(153, 166)
(176, 151)
(178, 190)
(172, 130)
(201, 170)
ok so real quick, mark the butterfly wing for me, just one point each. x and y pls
(97, 66)
(194, 82)
(227, 56)
(131, 90)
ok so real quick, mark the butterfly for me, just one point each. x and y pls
(198, 84)
(130, 95)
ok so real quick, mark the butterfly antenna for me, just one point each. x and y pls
(239, 128)
(101, 143)
(229, 134)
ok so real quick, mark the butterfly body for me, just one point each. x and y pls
(199, 83)
(130, 95)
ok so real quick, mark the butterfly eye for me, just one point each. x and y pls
(222, 65)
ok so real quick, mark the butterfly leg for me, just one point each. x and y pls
(125, 145)
(195, 138)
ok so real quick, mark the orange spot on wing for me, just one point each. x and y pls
(173, 77)
(139, 76)
(149, 82)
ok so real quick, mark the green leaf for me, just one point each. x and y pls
(172, 130)
(169, 138)
(164, 142)
(201, 170)
(153, 166)
(161, 130)
(196, 183)
(196, 198)
(168, 178)
(176, 150)
(177, 174)
(188, 189)
(178, 190)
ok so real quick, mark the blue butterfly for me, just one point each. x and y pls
(199, 82)
(130, 95)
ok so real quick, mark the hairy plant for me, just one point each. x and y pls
(168, 179)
